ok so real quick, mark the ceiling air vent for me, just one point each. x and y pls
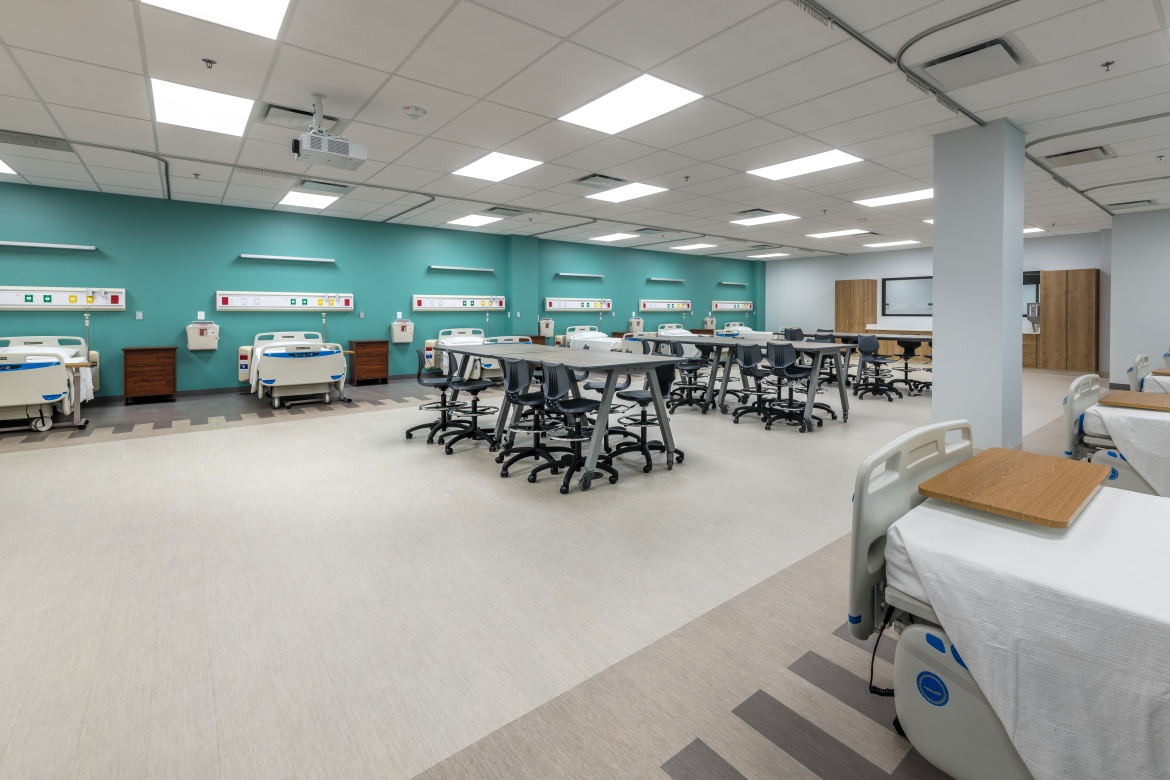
(38, 141)
(974, 64)
(500, 211)
(1133, 204)
(599, 182)
(322, 186)
(1080, 156)
(649, 232)
(752, 213)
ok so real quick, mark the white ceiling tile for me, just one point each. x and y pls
(1106, 93)
(368, 168)
(654, 165)
(442, 156)
(913, 115)
(262, 154)
(48, 169)
(64, 183)
(749, 135)
(692, 121)
(124, 178)
(11, 82)
(403, 176)
(298, 73)
(899, 160)
(503, 193)
(646, 32)
(375, 34)
(1088, 28)
(176, 46)
(456, 186)
(474, 50)
(20, 150)
(197, 187)
(565, 79)
(778, 36)
(859, 188)
(108, 158)
(99, 128)
(135, 191)
(552, 141)
(381, 143)
(95, 31)
(545, 176)
(274, 183)
(379, 196)
(248, 193)
(352, 206)
(559, 17)
(607, 153)
(441, 105)
(212, 200)
(781, 151)
(850, 103)
(206, 171)
(826, 71)
(203, 144)
(1155, 104)
(262, 131)
(339, 214)
(72, 83)
(542, 200)
(489, 125)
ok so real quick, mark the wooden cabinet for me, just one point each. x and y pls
(854, 305)
(370, 361)
(1030, 350)
(1069, 304)
(148, 371)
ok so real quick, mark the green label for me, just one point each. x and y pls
(28, 299)
(304, 301)
(48, 299)
(292, 301)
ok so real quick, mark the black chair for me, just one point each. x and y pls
(793, 334)
(557, 389)
(748, 357)
(599, 387)
(473, 387)
(785, 365)
(664, 375)
(871, 371)
(829, 369)
(690, 378)
(913, 386)
(531, 419)
(441, 381)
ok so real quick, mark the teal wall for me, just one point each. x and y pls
(172, 256)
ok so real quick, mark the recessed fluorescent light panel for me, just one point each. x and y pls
(615, 237)
(695, 246)
(928, 221)
(893, 243)
(1033, 230)
(905, 197)
(628, 192)
(639, 101)
(474, 220)
(260, 17)
(836, 233)
(496, 167)
(774, 254)
(763, 220)
(812, 164)
(5, 169)
(177, 104)
(307, 200)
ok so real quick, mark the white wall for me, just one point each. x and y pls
(800, 292)
(1106, 296)
(1139, 280)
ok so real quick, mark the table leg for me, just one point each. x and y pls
(597, 441)
(848, 359)
(814, 382)
(502, 420)
(715, 358)
(841, 385)
(723, 385)
(663, 418)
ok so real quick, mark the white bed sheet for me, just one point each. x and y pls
(595, 340)
(1064, 630)
(1155, 384)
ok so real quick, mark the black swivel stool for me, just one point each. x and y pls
(431, 381)
(793, 334)
(748, 358)
(557, 389)
(517, 378)
(599, 387)
(785, 365)
(913, 386)
(664, 375)
(829, 370)
(473, 387)
(873, 383)
(689, 380)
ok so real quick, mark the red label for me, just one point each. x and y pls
(419, 303)
(113, 299)
(224, 299)
(243, 357)
(347, 301)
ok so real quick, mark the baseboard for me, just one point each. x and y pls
(1118, 386)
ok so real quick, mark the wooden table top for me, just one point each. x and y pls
(1161, 372)
(1155, 402)
(1034, 488)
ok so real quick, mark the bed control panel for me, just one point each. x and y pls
(245, 364)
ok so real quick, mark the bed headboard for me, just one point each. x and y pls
(508, 340)
(75, 342)
(461, 332)
(735, 325)
(887, 488)
(283, 335)
(569, 331)
(1140, 370)
(674, 326)
(1082, 393)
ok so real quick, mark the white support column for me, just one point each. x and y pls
(978, 272)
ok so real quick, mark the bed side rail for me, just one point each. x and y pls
(887, 488)
(1082, 393)
(1138, 373)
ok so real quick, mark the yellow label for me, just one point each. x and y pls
(330, 301)
(89, 299)
(73, 299)
(320, 302)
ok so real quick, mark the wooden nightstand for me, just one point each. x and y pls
(148, 371)
(371, 360)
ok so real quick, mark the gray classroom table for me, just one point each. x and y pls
(819, 350)
(613, 364)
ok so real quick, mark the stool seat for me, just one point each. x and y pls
(579, 405)
(471, 385)
(637, 396)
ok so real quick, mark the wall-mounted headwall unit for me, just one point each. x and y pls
(235, 300)
(732, 306)
(457, 302)
(646, 305)
(570, 304)
(63, 298)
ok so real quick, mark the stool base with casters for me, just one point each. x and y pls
(445, 421)
(575, 460)
(640, 444)
(538, 427)
(473, 431)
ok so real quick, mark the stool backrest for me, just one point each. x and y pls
(867, 345)
(781, 355)
(824, 335)
(556, 382)
(517, 376)
(908, 348)
(676, 348)
(748, 355)
(794, 334)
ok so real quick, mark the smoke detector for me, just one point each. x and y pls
(414, 112)
(1080, 156)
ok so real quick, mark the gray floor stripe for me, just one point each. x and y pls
(885, 649)
(845, 686)
(915, 767)
(697, 761)
(818, 750)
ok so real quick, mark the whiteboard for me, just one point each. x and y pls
(908, 297)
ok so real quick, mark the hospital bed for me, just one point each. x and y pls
(1142, 381)
(570, 332)
(595, 339)
(733, 327)
(288, 364)
(492, 368)
(1024, 651)
(477, 368)
(1087, 436)
(45, 375)
(674, 329)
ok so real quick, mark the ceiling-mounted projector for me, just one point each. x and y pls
(317, 147)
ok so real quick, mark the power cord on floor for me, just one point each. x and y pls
(872, 688)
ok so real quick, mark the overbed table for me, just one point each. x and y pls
(820, 350)
(612, 364)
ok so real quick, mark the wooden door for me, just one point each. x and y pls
(1050, 344)
(1082, 301)
(856, 304)
(841, 306)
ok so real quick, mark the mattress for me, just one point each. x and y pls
(1155, 384)
(1092, 423)
(595, 340)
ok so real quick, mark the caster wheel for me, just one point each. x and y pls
(564, 489)
(586, 483)
(82, 426)
(503, 472)
(891, 400)
(613, 479)
(845, 418)
(768, 427)
(736, 421)
(725, 408)
(41, 424)
(499, 459)
(647, 469)
(448, 450)
(532, 478)
(410, 435)
(679, 457)
(820, 423)
(493, 448)
(553, 471)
